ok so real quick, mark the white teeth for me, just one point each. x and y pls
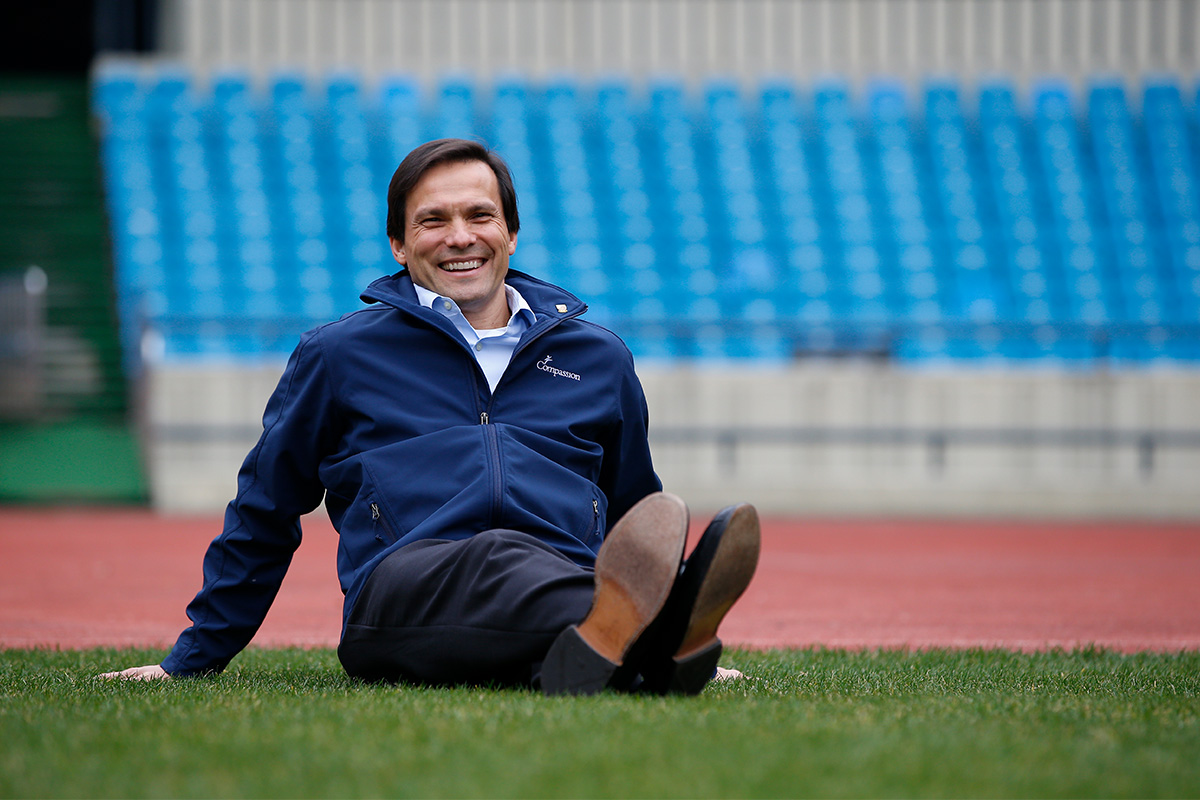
(457, 266)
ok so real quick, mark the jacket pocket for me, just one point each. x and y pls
(379, 525)
(595, 530)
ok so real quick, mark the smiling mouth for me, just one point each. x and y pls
(461, 266)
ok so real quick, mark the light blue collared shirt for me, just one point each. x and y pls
(494, 348)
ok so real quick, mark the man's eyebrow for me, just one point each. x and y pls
(482, 205)
(439, 210)
(426, 211)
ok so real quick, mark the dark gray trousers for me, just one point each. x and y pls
(479, 610)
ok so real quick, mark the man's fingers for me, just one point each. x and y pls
(150, 672)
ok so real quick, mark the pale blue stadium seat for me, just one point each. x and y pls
(357, 207)
(913, 285)
(1134, 280)
(1080, 261)
(118, 98)
(675, 188)
(511, 136)
(722, 222)
(455, 112)
(623, 199)
(399, 105)
(568, 172)
(1173, 166)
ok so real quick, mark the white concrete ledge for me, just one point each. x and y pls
(200, 421)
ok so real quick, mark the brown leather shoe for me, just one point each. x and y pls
(635, 571)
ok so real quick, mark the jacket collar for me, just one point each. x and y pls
(547, 300)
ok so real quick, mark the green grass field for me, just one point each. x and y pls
(284, 723)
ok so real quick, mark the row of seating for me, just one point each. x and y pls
(785, 206)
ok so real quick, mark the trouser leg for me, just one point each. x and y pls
(479, 610)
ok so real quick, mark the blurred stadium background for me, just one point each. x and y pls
(909, 257)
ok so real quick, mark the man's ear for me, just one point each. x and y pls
(398, 252)
(512, 243)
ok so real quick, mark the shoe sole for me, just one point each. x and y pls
(635, 571)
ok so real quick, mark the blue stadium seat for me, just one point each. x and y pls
(853, 266)
(1173, 166)
(399, 105)
(118, 98)
(454, 114)
(972, 226)
(913, 287)
(1080, 261)
(511, 114)
(1138, 292)
(676, 189)
(566, 168)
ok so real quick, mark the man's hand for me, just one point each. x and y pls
(150, 672)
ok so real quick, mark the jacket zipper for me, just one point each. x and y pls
(493, 445)
(494, 442)
(377, 518)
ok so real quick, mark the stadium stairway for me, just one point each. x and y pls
(77, 446)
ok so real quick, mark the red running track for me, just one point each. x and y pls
(90, 577)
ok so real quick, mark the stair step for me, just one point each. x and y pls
(52, 214)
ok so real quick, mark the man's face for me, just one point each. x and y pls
(456, 241)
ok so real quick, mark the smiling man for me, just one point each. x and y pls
(456, 241)
(482, 453)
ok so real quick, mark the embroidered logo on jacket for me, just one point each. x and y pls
(544, 366)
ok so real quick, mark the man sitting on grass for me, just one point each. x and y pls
(471, 437)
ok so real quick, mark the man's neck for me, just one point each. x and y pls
(497, 316)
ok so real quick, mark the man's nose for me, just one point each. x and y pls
(460, 234)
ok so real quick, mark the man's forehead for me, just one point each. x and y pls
(457, 183)
(459, 176)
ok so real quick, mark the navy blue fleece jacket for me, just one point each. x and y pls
(386, 415)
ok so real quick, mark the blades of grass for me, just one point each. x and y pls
(805, 723)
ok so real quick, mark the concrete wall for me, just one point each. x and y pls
(1034, 441)
(201, 420)
(197, 424)
(748, 38)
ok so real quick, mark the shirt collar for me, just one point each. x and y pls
(436, 302)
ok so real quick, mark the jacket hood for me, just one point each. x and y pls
(544, 298)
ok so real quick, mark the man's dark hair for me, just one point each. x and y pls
(445, 151)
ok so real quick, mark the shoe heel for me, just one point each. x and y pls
(573, 667)
(691, 673)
